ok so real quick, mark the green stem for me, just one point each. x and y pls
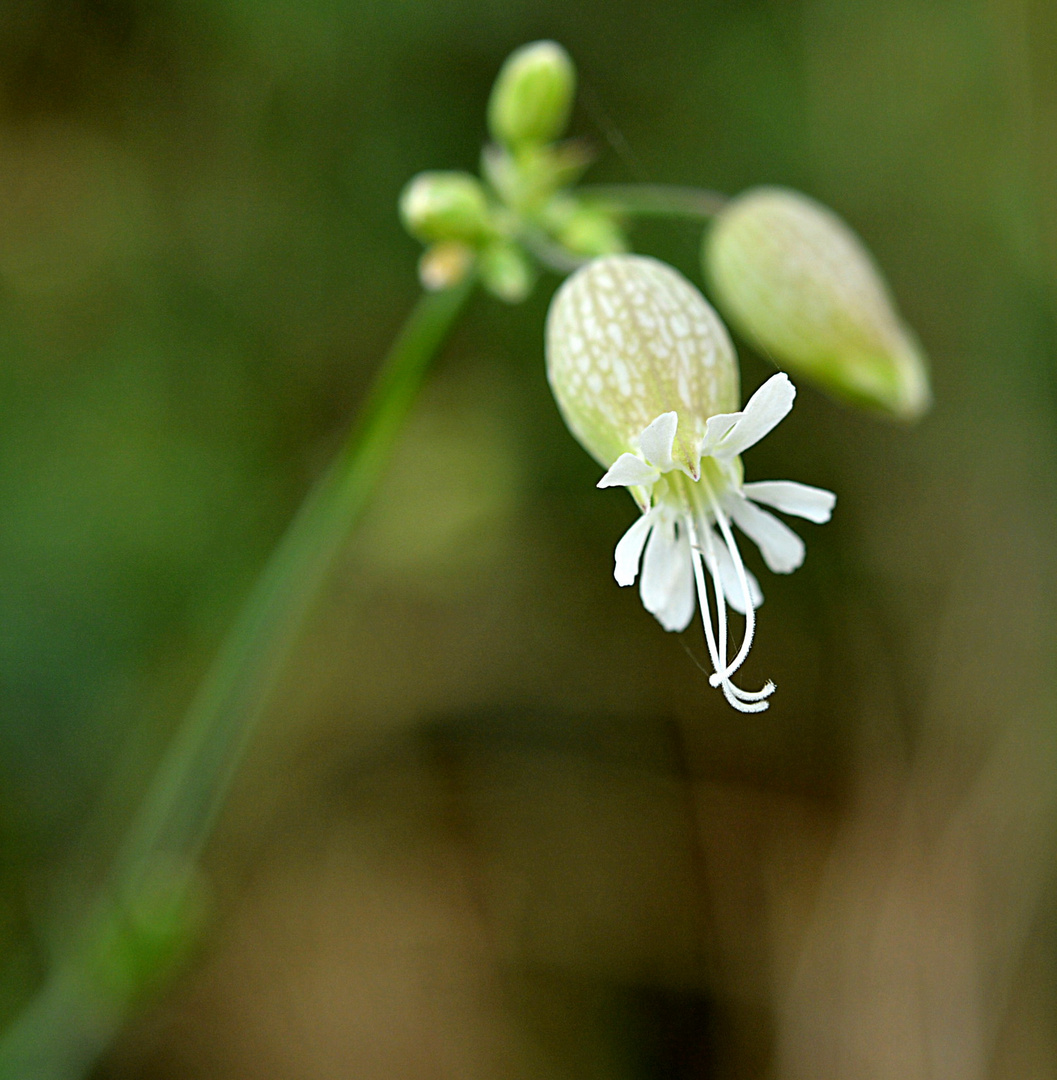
(62, 1031)
(656, 200)
(177, 815)
(188, 790)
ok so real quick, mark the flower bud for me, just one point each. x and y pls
(437, 206)
(532, 96)
(506, 272)
(444, 265)
(629, 338)
(582, 227)
(799, 284)
(590, 231)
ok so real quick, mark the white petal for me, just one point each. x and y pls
(657, 440)
(629, 550)
(782, 549)
(770, 404)
(716, 427)
(814, 504)
(628, 471)
(731, 584)
(667, 585)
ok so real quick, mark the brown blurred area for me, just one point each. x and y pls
(616, 877)
(496, 824)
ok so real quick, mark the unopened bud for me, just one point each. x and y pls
(506, 272)
(532, 96)
(590, 231)
(444, 265)
(800, 285)
(436, 206)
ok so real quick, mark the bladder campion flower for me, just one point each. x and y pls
(644, 373)
(800, 285)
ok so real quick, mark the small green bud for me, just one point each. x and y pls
(532, 96)
(591, 231)
(583, 228)
(437, 206)
(444, 265)
(800, 285)
(506, 272)
(629, 338)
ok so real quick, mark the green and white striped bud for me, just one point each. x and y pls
(795, 280)
(629, 338)
(439, 206)
(532, 96)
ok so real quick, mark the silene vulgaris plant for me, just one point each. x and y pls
(641, 364)
(646, 378)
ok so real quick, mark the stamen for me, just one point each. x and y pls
(702, 591)
(743, 581)
(721, 600)
(742, 700)
(723, 678)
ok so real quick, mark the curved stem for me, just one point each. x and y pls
(70, 1022)
(656, 200)
(188, 790)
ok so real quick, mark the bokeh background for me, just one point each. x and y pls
(495, 824)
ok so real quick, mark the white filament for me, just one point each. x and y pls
(743, 581)
(746, 701)
(719, 678)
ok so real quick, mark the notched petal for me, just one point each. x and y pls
(803, 500)
(667, 585)
(657, 440)
(715, 428)
(781, 548)
(628, 552)
(629, 471)
(766, 408)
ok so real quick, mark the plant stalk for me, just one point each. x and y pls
(72, 1019)
(656, 200)
(176, 818)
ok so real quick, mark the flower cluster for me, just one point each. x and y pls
(524, 209)
(641, 365)
(645, 376)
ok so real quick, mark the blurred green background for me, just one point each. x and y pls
(496, 823)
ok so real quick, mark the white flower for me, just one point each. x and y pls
(645, 376)
(678, 529)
